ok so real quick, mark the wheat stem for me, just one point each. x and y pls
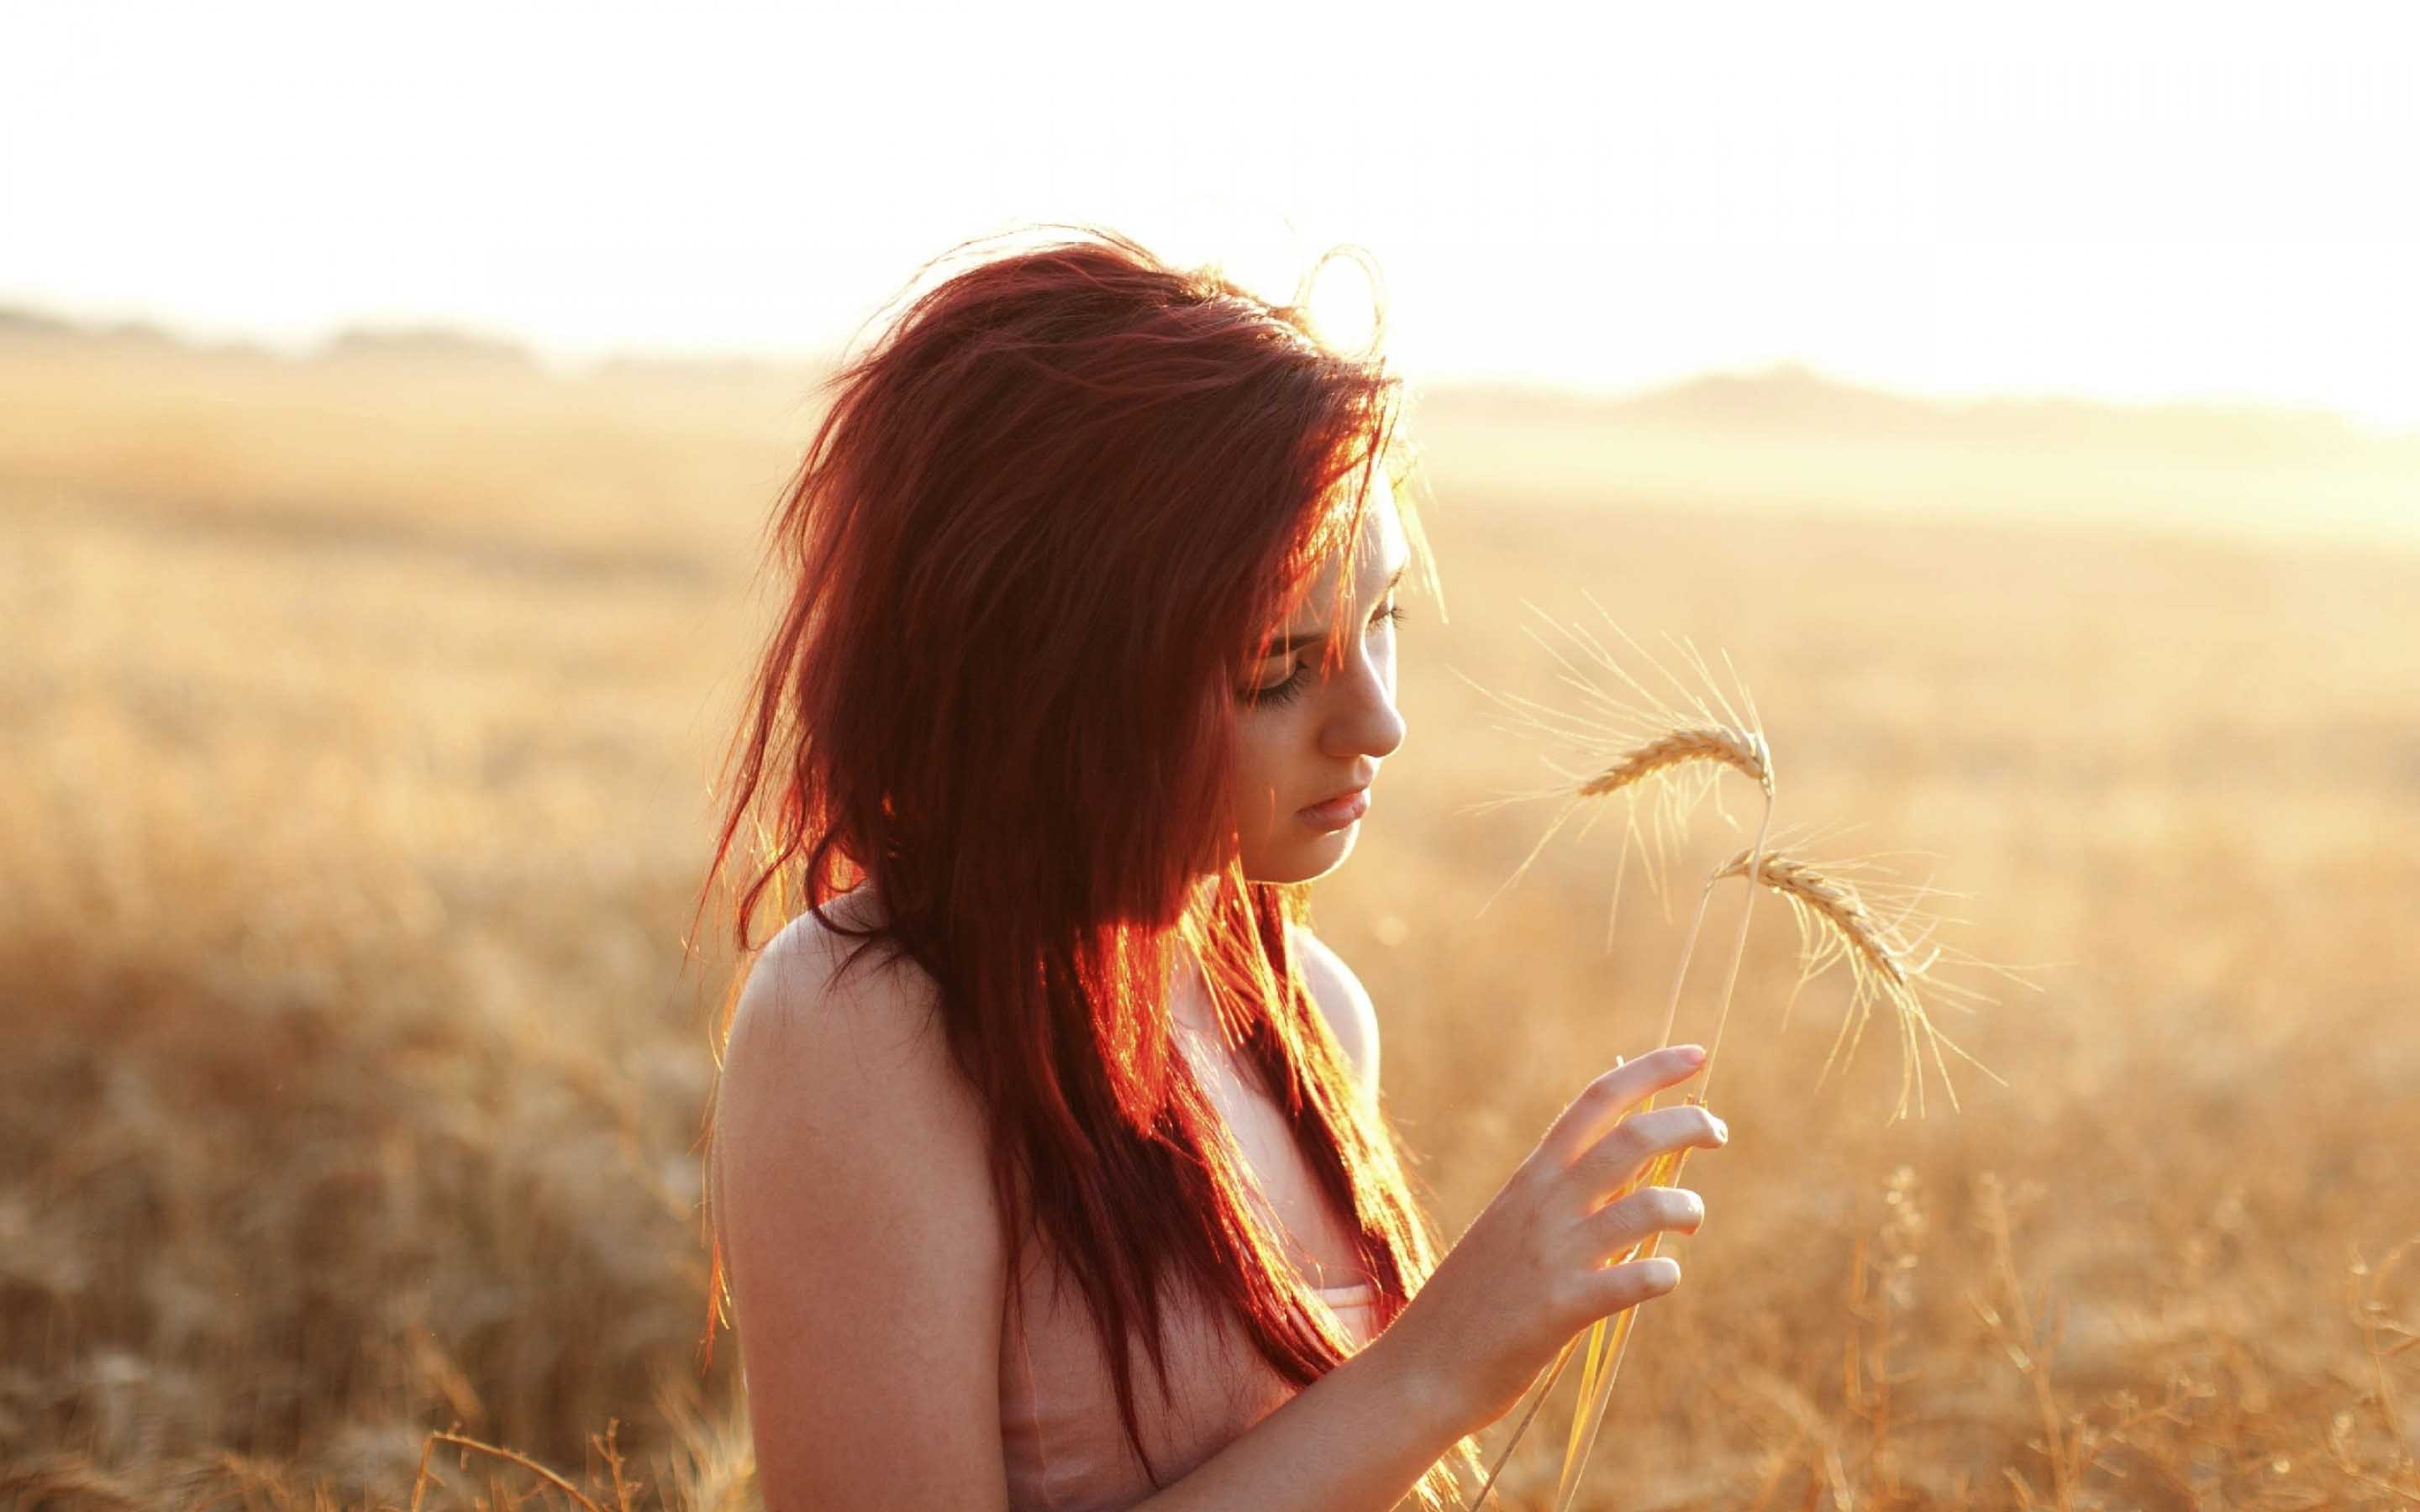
(1748, 754)
(1591, 1419)
(1674, 736)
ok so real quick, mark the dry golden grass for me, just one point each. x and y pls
(357, 723)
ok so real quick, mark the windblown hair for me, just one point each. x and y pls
(1044, 524)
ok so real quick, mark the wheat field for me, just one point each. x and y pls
(358, 718)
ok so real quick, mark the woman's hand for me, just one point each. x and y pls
(1530, 1271)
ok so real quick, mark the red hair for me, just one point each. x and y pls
(1038, 531)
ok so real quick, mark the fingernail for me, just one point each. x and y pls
(1694, 1054)
(1722, 1132)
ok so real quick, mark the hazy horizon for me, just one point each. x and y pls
(2142, 208)
(1786, 440)
(450, 342)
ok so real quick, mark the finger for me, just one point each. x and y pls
(1627, 1285)
(1604, 1100)
(1615, 1227)
(1615, 1161)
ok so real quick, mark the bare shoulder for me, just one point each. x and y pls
(1343, 1000)
(854, 1198)
(840, 1052)
(817, 1008)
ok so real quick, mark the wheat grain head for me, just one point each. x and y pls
(1883, 932)
(1666, 745)
(1742, 751)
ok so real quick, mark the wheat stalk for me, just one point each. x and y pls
(1609, 1339)
(1836, 921)
(1662, 743)
(1651, 756)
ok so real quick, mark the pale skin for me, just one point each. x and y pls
(861, 1228)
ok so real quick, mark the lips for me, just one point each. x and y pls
(1338, 810)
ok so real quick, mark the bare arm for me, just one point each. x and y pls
(860, 1227)
(1355, 1440)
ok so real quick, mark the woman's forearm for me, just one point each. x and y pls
(1355, 1440)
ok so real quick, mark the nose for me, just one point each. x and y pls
(1364, 720)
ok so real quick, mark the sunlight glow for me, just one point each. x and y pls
(1343, 305)
(2139, 204)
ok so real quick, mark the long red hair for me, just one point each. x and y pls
(1041, 527)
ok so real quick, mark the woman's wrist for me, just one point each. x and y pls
(1427, 1396)
(1357, 1439)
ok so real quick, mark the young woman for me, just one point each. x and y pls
(1048, 1160)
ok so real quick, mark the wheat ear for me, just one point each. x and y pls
(1664, 737)
(1837, 922)
(1742, 751)
(1745, 752)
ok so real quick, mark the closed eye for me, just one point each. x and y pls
(1305, 671)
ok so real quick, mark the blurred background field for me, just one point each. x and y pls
(357, 722)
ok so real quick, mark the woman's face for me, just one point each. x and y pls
(1307, 743)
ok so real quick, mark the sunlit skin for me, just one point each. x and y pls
(1304, 731)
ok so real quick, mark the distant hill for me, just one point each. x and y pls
(425, 343)
(708, 368)
(18, 322)
(1792, 398)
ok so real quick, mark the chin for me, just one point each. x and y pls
(1306, 860)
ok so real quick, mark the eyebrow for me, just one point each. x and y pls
(1284, 645)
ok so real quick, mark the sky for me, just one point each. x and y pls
(2129, 202)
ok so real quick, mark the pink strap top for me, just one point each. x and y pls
(1066, 1448)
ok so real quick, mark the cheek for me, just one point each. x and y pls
(1258, 761)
